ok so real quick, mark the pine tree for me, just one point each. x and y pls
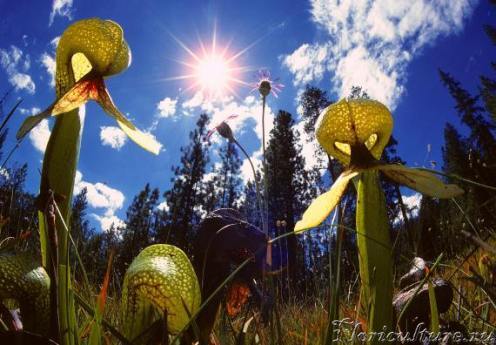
(187, 193)
(472, 115)
(480, 154)
(222, 186)
(249, 204)
(230, 180)
(488, 94)
(429, 229)
(80, 226)
(81, 230)
(16, 205)
(488, 85)
(311, 103)
(97, 253)
(287, 182)
(455, 152)
(138, 233)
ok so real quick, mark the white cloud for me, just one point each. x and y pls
(371, 43)
(308, 63)
(55, 42)
(113, 137)
(246, 170)
(163, 206)
(40, 134)
(412, 205)
(22, 81)
(310, 149)
(4, 173)
(249, 117)
(167, 107)
(103, 197)
(48, 62)
(193, 102)
(15, 64)
(61, 8)
(106, 222)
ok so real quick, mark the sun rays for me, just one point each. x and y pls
(213, 69)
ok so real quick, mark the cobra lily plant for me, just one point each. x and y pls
(356, 132)
(161, 285)
(88, 51)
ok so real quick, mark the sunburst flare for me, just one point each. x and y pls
(212, 70)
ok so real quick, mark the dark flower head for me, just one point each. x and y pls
(265, 84)
(223, 129)
(264, 88)
(224, 240)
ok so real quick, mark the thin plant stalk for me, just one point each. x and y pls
(9, 115)
(334, 298)
(2, 126)
(257, 185)
(266, 184)
(332, 292)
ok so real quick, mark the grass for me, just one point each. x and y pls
(304, 320)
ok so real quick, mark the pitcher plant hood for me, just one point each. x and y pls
(89, 51)
(356, 132)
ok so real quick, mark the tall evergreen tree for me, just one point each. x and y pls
(230, 180)
(455, 152)
(138, 233)
(249, 204)
(478, 151)
(472, 115)
(187, 194)
(312, 101)
(80, 226)
(16, 205)
(488, 84)
(222, 186)
(81, 230)
(287, 182)
(456, 157)
(97, 252)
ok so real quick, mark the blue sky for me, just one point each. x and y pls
(391, 48)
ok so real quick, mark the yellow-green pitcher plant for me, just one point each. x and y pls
(88, 51)
(356, 132)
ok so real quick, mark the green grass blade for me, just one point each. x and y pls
(433, 306)
(91, 311)
(9, 115)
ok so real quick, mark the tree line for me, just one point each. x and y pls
(198, 187)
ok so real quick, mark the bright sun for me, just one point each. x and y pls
(211, 70)
(214, 74)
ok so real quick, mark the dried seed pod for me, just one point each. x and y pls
(416, 273)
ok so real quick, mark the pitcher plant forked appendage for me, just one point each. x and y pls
(356, 132)
(88, 51)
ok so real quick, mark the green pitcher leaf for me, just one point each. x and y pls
(160, 279)
(22, 278)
